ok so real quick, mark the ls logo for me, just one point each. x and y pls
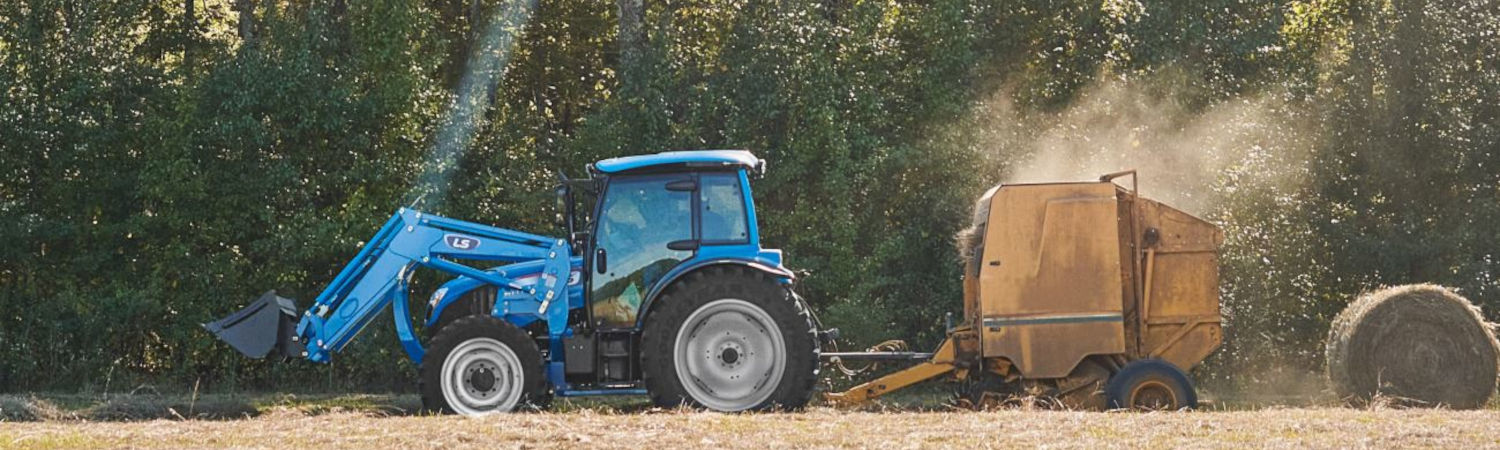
(461, 242)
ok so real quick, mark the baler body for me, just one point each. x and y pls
(1069, 270)
(1065, 286)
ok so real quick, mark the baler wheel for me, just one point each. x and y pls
(1151, 385)
(729, 339)
(481, 365)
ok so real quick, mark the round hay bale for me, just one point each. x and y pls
(1415, 345)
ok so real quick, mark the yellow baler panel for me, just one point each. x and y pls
(1182, 322)
(1050, 280)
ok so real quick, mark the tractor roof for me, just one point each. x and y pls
(692, 158)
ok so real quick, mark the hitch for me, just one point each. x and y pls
(938, 363)
(829, 337)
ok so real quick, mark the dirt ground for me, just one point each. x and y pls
(386, 421)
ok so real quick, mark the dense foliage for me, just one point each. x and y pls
(163, 161)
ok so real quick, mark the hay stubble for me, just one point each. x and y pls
(819, 427)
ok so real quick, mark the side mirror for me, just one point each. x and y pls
(563, 207)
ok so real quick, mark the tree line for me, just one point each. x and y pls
(164, 161)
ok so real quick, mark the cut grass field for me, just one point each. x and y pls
(279, 421)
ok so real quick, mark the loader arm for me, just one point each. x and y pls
(378, 277)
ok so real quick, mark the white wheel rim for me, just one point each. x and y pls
(482, 376)
(729, 355)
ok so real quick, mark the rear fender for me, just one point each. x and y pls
(780, 274)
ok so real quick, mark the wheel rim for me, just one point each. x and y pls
(730, 355)
(1153, 395)
(482, 376)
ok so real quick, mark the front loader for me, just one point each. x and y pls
(661, 288)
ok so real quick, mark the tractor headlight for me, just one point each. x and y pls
(437, 296)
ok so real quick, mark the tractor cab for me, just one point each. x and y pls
(656, 217)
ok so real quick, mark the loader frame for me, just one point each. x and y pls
(379, 274)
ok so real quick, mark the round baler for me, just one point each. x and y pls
(1084, 294)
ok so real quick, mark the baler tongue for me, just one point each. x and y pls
(270, 323)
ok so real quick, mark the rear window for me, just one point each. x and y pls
(722, 209)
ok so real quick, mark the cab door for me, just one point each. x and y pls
(639, 218)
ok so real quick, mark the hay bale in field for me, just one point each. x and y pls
(1417, 345)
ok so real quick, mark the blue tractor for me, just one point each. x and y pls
(661, 288)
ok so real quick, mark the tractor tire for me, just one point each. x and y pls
(480, 365)
(1150, 385)
(729, 339)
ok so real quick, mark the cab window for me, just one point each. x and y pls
(722, 209)
(640, 216)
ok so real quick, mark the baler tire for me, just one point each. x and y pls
(1123, 389)
(738, 286)
(534, 392)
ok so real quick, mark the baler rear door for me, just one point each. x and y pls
(269, 323)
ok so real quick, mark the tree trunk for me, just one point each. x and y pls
(68, 10)
(189, 16)
(189, 32)
(632, 40)
(246, 10)
(1403, 55)
(474, 20)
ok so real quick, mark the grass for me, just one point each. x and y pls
(389, 421)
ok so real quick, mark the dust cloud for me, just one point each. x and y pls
(1185, 156)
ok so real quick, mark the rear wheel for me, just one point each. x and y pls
(1151, 385)
(480, 365)
(729, 339)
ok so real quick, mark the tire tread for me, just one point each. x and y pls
(716, 282)
(536, 395)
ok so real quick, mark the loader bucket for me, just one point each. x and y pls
(268, 324)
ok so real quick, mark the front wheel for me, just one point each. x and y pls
(481, 365)
(729, 339)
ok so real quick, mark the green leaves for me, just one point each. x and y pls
(156, 171)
